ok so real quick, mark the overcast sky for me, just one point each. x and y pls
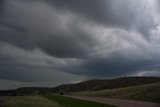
(51, 42)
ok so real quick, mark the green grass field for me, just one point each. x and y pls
(47, 101)
(150, 92)
(71, 102)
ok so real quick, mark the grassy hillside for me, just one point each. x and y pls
(91, 85)
(149, 92)
(96, 85)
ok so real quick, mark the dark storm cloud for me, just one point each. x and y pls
(123, 13)
(24, 23)
(113, 66)
(55, 44)
(1, 5)
(30, 32)
(70, 40)
(33, 66)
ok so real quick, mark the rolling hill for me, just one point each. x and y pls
(90, 85)
(96, 85)
(148, 92)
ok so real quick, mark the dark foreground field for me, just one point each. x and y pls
(47, 101)
(118, 102)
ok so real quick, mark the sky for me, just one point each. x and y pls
(45, 43)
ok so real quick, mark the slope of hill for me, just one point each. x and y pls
(90, 85)
(95, 85)
(149, 92)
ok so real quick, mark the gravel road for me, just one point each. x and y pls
(118, 102)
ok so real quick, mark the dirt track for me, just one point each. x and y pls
(118, 102)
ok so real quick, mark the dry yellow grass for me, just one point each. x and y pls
(27, 101)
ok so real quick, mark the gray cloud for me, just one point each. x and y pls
(45, 33)
(59, 41)
(127, 14)
(32, 66)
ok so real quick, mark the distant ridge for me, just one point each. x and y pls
(90, 85)
(103, 84)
